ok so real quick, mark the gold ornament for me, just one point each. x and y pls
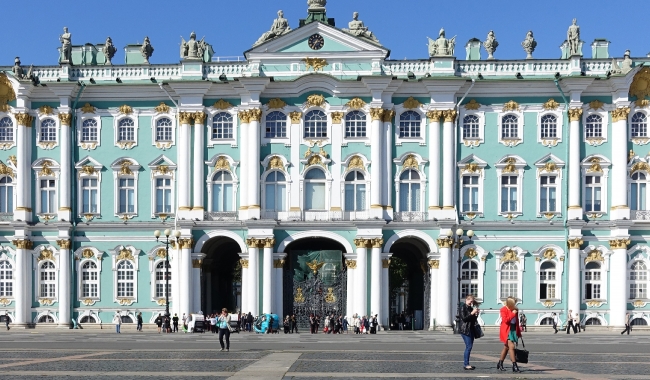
(549, 254)
(356, 163)
(351, 264)
(87, 108)
(255, 114)
(362, 243)
(385, 263)
(196, 263)
(125, 167)
(510, 255)
(336, 117)
(639, 166)
(511, 106)
(510, 165)
(276, 104)
(315, 100)
(596, 104)
(24, 119)
(295, 117)
(65, 118)
(64, 243)
(199, 118)
(434, 264)
(6, 170)
(388, 116)
(330, 297)
(640, 86)
(411, 103)
(46, 254)
(595, 166)
(46, 171)
(314, 63)
(551, 104)
(594, 256)
(575, 243)
(162, 108)
(244, 263)
(472, 105)
(471, 167)
(444, 242)
(620, 114)
(22, 243)
(299, 297)
(575, 114)
(46, 110)
(87, 253)
(7, 93)
(315, 265)
(275, 163)
(125, 254)
(314, 160)
(125, 109)
(410, 162)
(376, 113)
(222, 164)
(471, 253)
(244, 116)
(642, 103)
(221, 105)
(435, 115)
(185, 117)
(356, 103)
(449, 115)
(619, 243)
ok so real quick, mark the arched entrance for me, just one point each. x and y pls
(220, 275)
(409, 284)
(314, 279)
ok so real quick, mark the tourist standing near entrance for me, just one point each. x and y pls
(175, 320)
(224, 328)
(576, 322)
(569, 323)
(139, 320)
(345, 324)
(468, 317)
(556, 320)
(184, 319)
(509, 333)
(118, 322)
(294, 324)
(628, 328)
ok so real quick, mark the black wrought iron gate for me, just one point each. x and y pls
(314, 296)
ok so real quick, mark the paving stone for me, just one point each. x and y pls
(141, 365)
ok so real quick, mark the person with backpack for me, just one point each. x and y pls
(159, 321)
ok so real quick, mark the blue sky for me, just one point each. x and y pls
(31, 29)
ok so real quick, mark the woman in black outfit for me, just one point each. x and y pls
(468, 316)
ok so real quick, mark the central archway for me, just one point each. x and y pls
(220, 275)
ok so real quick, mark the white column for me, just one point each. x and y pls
(64, 282)
(433, 271)
(575, 208)
(351, 286)
(336, 202)
(444, 283)
(376, 149)
(434, 159)
(244, 163)
(387, 174)
(245, 307)
(361, 278)
(574, 274)
(196, 286)
(619, 208)
(385, 295)
(64, 212)
(375, 278)
(449, 161)
(267, 277)
(253, 155)
(618, 284)
(253, 277)
(294, 170)
(278, 284)
(183, 172)
(23, 199)
(23, 282)
(185, 262)
(198, 182)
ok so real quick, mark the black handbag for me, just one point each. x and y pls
(521, 356)
(478, 331)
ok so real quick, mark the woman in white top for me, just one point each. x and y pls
(223, 322)
(118, 321)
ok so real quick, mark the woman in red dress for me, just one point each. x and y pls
(509, 333)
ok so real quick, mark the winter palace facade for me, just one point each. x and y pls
(317, 145)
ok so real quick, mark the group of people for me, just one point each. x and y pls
(402, 321)
(168, 325)
(342, 324)
(290, 324)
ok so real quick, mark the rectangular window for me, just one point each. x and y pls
(467, 288)
(126, 134)
(88, 133)
(125, 289)
(314, 196)
(90, 290)
(127, 195)
(637, 195)
(163, 195)
(48, 196)
(593, 193)
(6, 196)
(509, 193)
(592, 291)
(89, 192)
(548, 193)
(470, 193)
(508, 290)
(160, 290)
(164, 133)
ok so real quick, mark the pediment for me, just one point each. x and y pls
(295, 43)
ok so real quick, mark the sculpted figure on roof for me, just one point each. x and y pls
(573, 38)
(441, 46)
(490, 44)
(146, 49)
(316, 4)
(280, 26)
(626, 65)
(357, 28)
(192, 49)
(529, 44)
(109, 50)
(66, 46)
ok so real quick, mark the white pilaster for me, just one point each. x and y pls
(294, 170)
(434, 160)
(385, 295)
(375, 279)
(23, 282)
(267, 279)
(618, 285)
(336, 203)
(448, 167)
(198, 180)
(387, 173)
(575, 207)
(444, 287)
(64, 282)
(64, 212)
(278, 284)
(376, 148)
(253, 280)
(185, 302)
(574, 274)
(196, 282)
(245, 299)
(23, 200)
(244, 163)
(183, 172)
(253, 156)
(361, 279)
(433, 271)
(351, 263)
(620, 208)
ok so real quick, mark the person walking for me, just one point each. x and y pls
(509, 333)
(224, 328)
(569, 323)
(139, 320)
(7, 320)
(184, 320)
(556, 320)
(249, 322)
(175, 323)
(117, 319)
(576, 323)
(468, 316)
(294, 324)
(522, 321)
(345, 324)
(628, 328)
(159, 321)
(332, 322)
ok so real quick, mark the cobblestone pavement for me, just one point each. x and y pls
(67, 354)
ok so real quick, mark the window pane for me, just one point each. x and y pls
(349, 197)
(315, 196)
(280, 198)
(361, 197)
(270, 197)
(228, 202)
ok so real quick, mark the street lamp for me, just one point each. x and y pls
(176, 234)
(457, 242)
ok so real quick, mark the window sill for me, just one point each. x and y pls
(126, 216)
(550, 141)
(511, 141)
(472, 142)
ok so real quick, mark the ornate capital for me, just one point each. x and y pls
(23, 243)
(444, 242)
(24, 119)
(295, 117)
(434, 264)
(388, 116)
(244, 116)
(351, 264)
(196, 263)
(575, 114)
(385, 263)
(336, 117)
(278, 263)
(185, 117)
(574, 243)
(377, 113)
(186, 243)
(434, 115)
(377, 242)
(619, 243)
(199, 117)
(255, 114)
(254, 243)
(65, 118)
(244, 263)
(449, 115)
(620, 114)
(269, 242)
(64, 243)
(362, 243)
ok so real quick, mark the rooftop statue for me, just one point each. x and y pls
(529, 44)
(109, 50)
(490, 44)
(573, 38)
(441, 47)
(66, 46)
(316, 4)
(280, 26)
(626, 65)
(19, 73)
(193, 49)
(146, 49)
(357, 28)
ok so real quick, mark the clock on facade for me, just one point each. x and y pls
(316, 42)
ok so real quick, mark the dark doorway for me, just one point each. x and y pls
(221, 275)
(408, 283)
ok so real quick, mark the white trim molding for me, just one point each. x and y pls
(554, 254)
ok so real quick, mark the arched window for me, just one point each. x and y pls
(275, 192)
(593, 322)
(594, 126)
(45, 319)
(48, 130)
(89, 280)
(89, 131)
(222, 192)
(161, 273)
(638, 322)
(469, 279)
(355, 191)
(592, 281)
(222, 126)
(409, 191)
(355, 124)
(409, 124)
(6, 129)
(47, 280)
(547, 281)
(548, 126)
(509, 280)
(164, 129)
(6, 195)
(276, 125)
(126, 130)
(125, 279)
(6, 279)
(509, 127)
(88, 319)
(470, 127)
(546, 321)
(638, 191)
(315, 192)
(638, 281)
(126, 319)
(639, 125)
(315, 124)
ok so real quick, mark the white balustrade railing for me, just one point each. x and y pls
(221, 216)
(409, 216)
